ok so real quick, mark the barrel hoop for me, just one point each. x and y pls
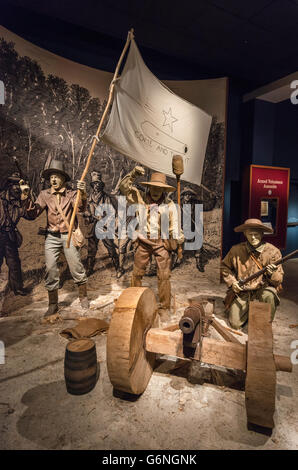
(77, 383)
(79, 366)
(77, 355)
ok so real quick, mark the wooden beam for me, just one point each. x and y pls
(165, 342)
(220, 353)
(214, 352)
(261, 369)
(230, 355)
(224, 332)
(283, 363)
(171, 327)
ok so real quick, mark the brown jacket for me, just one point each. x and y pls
(47, 199)
(238, 265)
(135, 196)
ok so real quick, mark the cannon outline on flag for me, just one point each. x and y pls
(166, 140)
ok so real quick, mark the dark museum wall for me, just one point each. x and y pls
(261, 133)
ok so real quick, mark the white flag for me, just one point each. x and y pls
(150, 124)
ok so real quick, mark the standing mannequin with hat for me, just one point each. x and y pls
(155, 200)
(245, 259)
(13, 205)
(96, 197)
(57, 231)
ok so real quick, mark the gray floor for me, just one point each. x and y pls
(175, 411)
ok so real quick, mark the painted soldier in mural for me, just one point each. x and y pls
(14, 202)
(208, 200)
(154, 201)
(98, 196)
(245, 259)
(58, 201)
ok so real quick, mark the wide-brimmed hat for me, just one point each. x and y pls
(14, 178)
(188, 190)
(56, 166)
(160, 180)
(253, 223)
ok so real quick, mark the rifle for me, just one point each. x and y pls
(22, 176)
(231, 294)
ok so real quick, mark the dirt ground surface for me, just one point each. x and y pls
(177, 410)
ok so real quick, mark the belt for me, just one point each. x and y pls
(7, 229)
(56, 234)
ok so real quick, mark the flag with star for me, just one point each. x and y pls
(149, 123)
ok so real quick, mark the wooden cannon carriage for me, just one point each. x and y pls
(134, 340)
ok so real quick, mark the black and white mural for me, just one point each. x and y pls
(52, 108)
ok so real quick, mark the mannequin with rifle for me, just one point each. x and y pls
(252, 271)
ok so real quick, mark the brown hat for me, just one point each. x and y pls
(56, 166)
(160, 180)
(253, 223)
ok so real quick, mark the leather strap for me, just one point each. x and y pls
(257, 262)
(62, 213)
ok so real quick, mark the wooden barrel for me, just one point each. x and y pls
(80, 366)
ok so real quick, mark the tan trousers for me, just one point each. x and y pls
(238, 313)
(146, 248)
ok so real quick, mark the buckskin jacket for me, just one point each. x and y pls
(238, 264)
(135, 196)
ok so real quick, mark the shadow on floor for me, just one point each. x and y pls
(54, 419)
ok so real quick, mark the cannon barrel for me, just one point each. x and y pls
(190, 319)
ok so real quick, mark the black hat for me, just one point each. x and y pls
(13, 178)
(56, 166)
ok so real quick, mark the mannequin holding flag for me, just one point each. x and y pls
(155, 201)
(150, 124)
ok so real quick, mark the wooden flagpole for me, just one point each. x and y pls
(95, 137)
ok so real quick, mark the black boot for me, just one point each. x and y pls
(21, 291)
(90, 266)
(53, 303)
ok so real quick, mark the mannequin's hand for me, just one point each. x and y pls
(25, 190)
(81, 186)
(270, 269)
(138, 171)
(236, 288)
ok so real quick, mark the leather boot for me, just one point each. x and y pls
(164, 293)
(90, 265)
(53, 303)
(136, 281)
(83, 296)
(164, 314)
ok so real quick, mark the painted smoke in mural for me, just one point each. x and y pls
(45, 117)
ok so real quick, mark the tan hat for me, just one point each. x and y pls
(160, 180)
(253, 223)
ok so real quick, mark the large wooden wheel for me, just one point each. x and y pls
(260, 381)
(130, 366)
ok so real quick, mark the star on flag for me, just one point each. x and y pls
(169, 119)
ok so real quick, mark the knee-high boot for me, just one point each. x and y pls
(164, 293)
(53, 303)
(136, 278)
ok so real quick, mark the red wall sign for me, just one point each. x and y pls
(268, 201)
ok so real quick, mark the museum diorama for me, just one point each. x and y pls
(148, 227)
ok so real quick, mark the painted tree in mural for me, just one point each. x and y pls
(45, 118)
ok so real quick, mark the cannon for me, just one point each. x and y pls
(134, 339)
